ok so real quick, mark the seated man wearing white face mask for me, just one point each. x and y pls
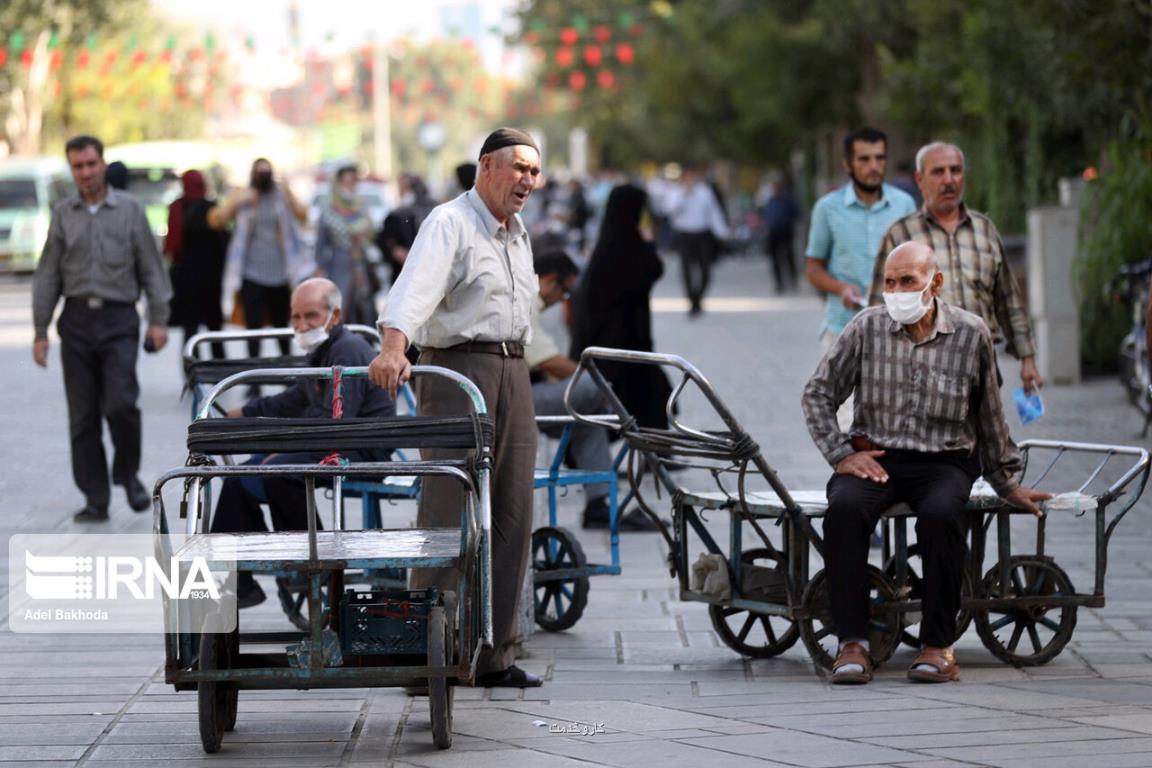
(927, 422)
(316, 322)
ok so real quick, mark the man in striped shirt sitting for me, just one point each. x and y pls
(927, 422)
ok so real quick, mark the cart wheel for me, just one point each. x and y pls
(293, 594)
(816, 628)
(440, 694)
(231, 692)
(1048, 628)
(758, 635)
(915, 591)
(215, 698)
(559, 604)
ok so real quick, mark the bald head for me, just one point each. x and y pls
(909, 267)
(315, 302)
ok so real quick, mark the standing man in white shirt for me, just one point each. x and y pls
(465, 299)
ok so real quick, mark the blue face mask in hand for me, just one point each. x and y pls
(1030, 407)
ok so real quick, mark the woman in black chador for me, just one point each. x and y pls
(610, 308)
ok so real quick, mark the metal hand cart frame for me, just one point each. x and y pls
(456, 625)
(560, 569)
(770, 601)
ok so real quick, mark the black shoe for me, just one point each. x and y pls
(91, 514)
(638, 522)
(513, 677)
(138, 497)
(249, 593)
(596, 514)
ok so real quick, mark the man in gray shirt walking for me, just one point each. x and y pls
(99, 255)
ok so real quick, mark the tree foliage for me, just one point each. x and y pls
(50, 96)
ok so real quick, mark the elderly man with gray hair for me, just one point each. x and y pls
(971, 255)
(927, 422)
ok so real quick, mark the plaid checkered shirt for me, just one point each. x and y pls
(976, 274)
(939, 394)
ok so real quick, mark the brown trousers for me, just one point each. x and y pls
(508, 394)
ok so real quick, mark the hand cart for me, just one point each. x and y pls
(361, 637)
(761, 598)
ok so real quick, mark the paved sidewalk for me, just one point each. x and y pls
(645, 666)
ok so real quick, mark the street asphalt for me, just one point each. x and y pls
(642, 679)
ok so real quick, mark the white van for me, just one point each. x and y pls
(29, 187)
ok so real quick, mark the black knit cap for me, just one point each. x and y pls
(507, 137)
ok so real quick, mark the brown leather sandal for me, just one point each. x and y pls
(851, 653)
(941, 660)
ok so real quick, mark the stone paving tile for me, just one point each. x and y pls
(235, 747)
(1089, 752)
(802, 749)
(59, 734)
(1134, 721)
(664, 753)
(40, 752)
(498, 758)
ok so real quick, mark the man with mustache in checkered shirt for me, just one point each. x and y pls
(927, 422)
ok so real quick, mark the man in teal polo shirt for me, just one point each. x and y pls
(847, 227)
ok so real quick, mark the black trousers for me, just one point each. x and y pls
(98, 349)
(266, 301)
(697, 252)
(779, 244)
(238, 509)
(936, 486)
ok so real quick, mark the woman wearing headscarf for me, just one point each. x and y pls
(610, 308)
(197, 253)
(342, 235)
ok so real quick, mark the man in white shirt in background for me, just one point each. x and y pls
(700, 225)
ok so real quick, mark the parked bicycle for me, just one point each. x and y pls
(1131, 286)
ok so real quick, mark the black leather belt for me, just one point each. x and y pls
(95, 302)
(502, 348)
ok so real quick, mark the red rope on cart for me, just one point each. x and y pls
(333, 459)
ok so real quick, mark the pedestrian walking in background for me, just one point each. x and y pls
(971, 254)
(780, 215)
(99, 255)
(465, 299)
(197, 253)
(611, 306)
(699, 226)
(342, 237)
(265, 256)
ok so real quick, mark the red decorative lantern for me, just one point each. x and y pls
(569, 36)
(564, 57)
(26, 57)
(3, 55)
(592, 55)
(625, 54)
(398, 88)
(82, 58)
(602, 33)
(577, 80)
(605, 79)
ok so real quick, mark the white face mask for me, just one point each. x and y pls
(906, 307)
(312, 338)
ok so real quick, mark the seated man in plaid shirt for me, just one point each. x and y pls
(927, 422)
